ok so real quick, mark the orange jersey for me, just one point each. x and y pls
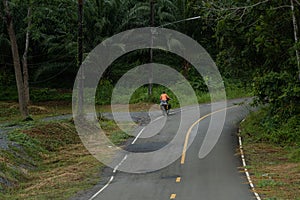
(164, 97)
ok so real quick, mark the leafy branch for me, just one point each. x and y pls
(243, 7)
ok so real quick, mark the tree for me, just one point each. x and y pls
(23, 105)
(256, 42)
(251, 37)
(295, 25)
(53, 43)
(25, 58)
(80, 57)
(138, 16)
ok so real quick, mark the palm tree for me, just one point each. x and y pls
(138, 16)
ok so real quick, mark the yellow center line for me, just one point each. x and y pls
(190, 130)
(173, 196)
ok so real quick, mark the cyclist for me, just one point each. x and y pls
(164, 98)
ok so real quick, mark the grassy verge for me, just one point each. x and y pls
(10, 114)
(48, 161)
(47, 102)
(273, 156)
(9, 111)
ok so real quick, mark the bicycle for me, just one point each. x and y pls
(165, 107)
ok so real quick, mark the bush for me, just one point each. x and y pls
(8, 93)
(281, 91)
(47, 94)
(259, 126)
(104, 92)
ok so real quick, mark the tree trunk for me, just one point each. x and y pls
(80, 58)
(25, 65)
(151, 49)
(296, 36)
(16, 61)
(186, 67)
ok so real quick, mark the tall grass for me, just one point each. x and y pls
(259, 127)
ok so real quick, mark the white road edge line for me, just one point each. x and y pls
(125, 157)
(159, 118)
(107, 184)
(116, 168)
(245, 167)
(138, 135)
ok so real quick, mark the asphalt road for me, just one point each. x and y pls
(218, 176)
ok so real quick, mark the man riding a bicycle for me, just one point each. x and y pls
(164, 98)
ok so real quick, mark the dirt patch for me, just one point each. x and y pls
(38, 110)
(274, 176)
(33, 109)
(54, 135)
(68, 167)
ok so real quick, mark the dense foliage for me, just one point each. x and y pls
(256, 43)
(251, 41)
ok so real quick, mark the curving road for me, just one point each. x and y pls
(217, 176)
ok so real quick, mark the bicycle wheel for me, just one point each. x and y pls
(164, 110)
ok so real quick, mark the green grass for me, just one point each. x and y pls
(270, 183)
(115, 135)
(30, 145)
(48, 161)
(273, 153)
(141, 95)
(294, 154)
